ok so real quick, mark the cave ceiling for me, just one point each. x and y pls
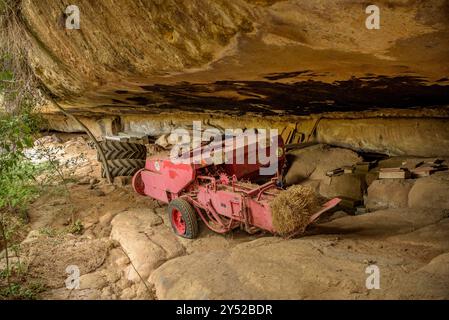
(264, 57)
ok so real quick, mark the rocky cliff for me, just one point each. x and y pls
(262, 56)
(133, 65)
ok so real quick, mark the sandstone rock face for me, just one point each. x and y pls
(431, 281)
(390, 136)
(244, 56)
(388, 193)
(318, 266)
(310, 165)
(93, 281)
(387, 222)
(99, 127)
(434, 235)
(47, 258)
(347, 185)
(246, 273)
(147, 243)
(313, 162)
(430, 192)
(121, 39)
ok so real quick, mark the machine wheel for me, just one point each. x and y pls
(123, 167)
(183, 219)
(114, 150)
(138, 184)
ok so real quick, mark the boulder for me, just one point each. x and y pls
(313, 162)
(371, 176)
(47, 258)
(145, 240)
(430, 192)
(347, 185)
(162, 141)
(262, 269)
(94, 280)
(429, 282)
(384, 223)
(307, 268)
(434, 235)
(388, 193)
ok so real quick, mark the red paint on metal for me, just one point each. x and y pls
(178, 221)
(138, 184)
(214, 190)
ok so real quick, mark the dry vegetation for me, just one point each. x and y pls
(18, 84)
(293, 208)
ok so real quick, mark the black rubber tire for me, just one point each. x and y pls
(188, 215)
(123, 167)
(114, 150)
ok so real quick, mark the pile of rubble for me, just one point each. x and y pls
(396, 182)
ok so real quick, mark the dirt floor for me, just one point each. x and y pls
(125, 248)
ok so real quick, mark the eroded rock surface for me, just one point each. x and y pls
(308, 270)
(147, 245)
(431, 192)
(388, 193)
(248, 56)
(313, 162)
(123, 231)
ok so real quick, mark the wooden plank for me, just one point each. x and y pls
(348, 169)
(401, 174)
(349, 203)
(423, 172)
(435, 161)
(132, 134)
(116, 138)
(287, 134)
(298, 137)
(412, 164)
(398, 169)
(364, 167)
(335, 172)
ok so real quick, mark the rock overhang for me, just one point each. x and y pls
(255, 57)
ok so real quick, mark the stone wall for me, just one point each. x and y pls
(424, 137)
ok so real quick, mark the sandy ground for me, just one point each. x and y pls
(127, 250)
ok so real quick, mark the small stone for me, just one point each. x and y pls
(122, 181)
(84, 181)
(106, 293)
(106, 218)
(56, 139)
(89, 224)
(99, 193)
(128, 293)
(162, 141)
(122, 262)
(112, 277)
(92, 281)
(32, 236)
(369, 261)
(109, 188)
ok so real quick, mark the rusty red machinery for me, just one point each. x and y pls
(223, 194)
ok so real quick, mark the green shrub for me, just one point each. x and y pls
(17, 187)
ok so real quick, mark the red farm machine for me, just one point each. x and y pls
(222, 194)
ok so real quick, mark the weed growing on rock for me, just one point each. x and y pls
(18, 85)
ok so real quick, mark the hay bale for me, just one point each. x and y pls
(292, 209)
